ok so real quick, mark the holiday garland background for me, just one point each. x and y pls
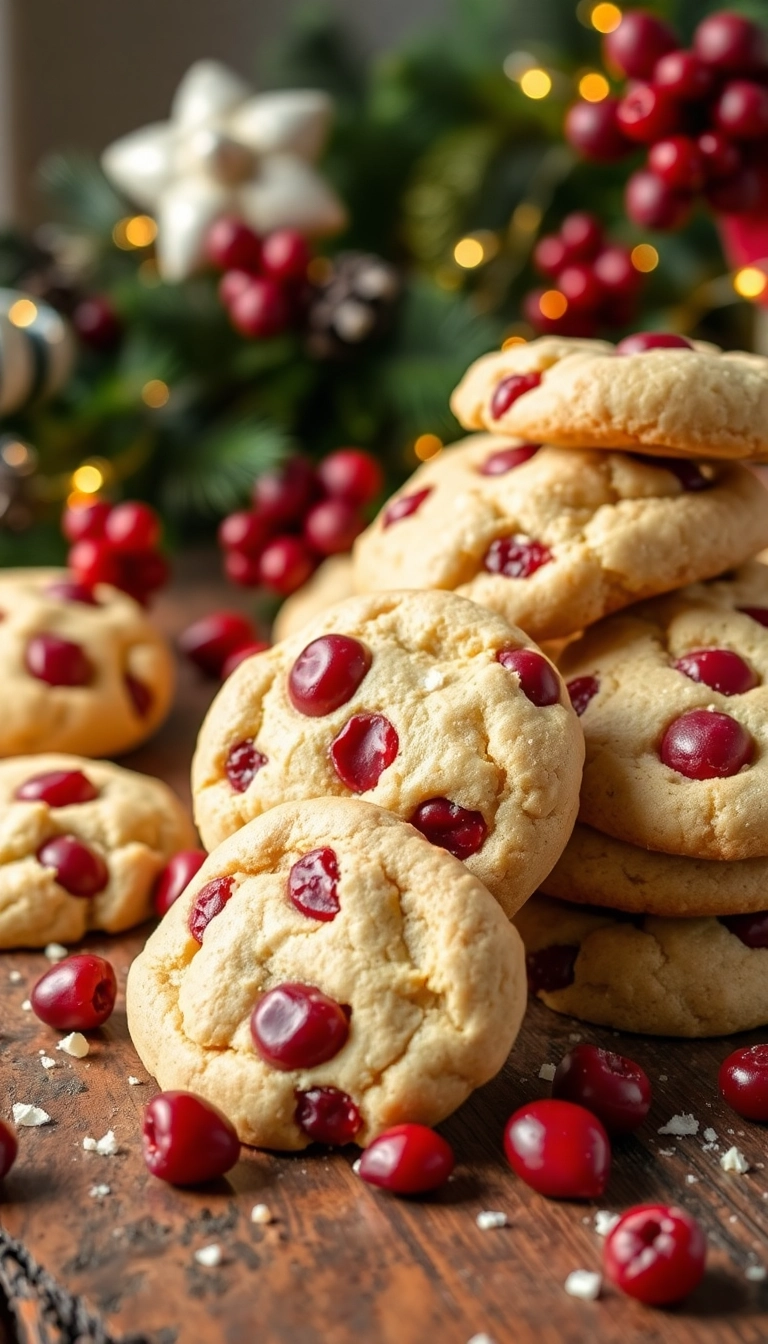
(435, 145)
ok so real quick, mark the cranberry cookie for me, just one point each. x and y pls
(662, 977)
(331, 583)
(554, 539)
(83, 668)
(690, 399)
(81, 843)
(673, 698)
(423, 703)
(328, 973)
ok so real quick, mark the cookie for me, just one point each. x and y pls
(422, 703)
(554, 539)
(673, 697)
(416, 979)
(595, 869)
(81, 844)
(696, 401)
(331, 583)
(662, 977)
(83, 668)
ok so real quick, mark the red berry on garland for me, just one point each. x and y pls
(97, 324)
(721, 158)
(592, 129)
(332, 526)
(232, 284)
(231, 245)
(580, 287)
(679, 162)
(683, 75)
(245, 531)
(549, 255)
(285, 255)
(209, 642)
(646, 113)
(85, 522)
(94, 562)
(741, 110)
(244, 570)
(582, 236)
(656, 1254)
(351, 475)
(284, 494)
(132, 527)
(141, 573)
(730, 42)
(736, 195)
(260, 310)
(616, 274)
(654, 205)
(285, 564)
(639, 41)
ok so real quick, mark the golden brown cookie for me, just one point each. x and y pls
(327, 974)
(331, 583)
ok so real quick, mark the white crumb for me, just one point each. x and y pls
(710, 1134)
(261, 1213)
(584, 1284)
(667, 1152)
(210, 1256)
(490, 1218)
(605, 1222)
(756, 1273)
(691, 1179)
(134, 1082)
(56, 952)
(14, 977)
(74, 1044)
(575, 1036)
(663, 1078)
(547, 1072)
(105, 1147)
(481, 1339)
(681, 1126)
(29, 1116)
(356, 1166)
(26, 1006)
(48, 1063)
(99, 1191)
(734, 1160)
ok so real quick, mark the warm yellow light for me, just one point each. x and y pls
(155, 393)
(513, 340)
(750, 282)
(22, 313)
(526, 217)
(535, 83)
(594, 87)
(644, 257)
(552, 303)
(605, 18)
(88, 480)
(427, 446)
(469, 252)
(140, 231)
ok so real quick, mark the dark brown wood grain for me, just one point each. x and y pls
(342, 1264)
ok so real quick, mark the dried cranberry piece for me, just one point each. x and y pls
(313, 884)
(652, 340)
(327, 673)
(704, 744)
(404, 506)
(538, 680)
(582, 690)
(58, 788)
(362, 751)
(209, 902)
(509, 389)
(78, 869)
(759, 614)
(516, 557)
(751, 929)
(720, 669)
(70, 590)
(297, 1026)
(457, 829)
(57, 661)
(551, 968)
(506, 459)
(327, 1115)
(244, 761)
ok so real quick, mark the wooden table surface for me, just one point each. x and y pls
(340, 1263)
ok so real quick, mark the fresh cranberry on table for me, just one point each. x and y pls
(638, 43)
(559, 1149)
(76, 867)
(327, 1115)
(352, 475)
(239, 656)
(704, 744)
(209, 642)
(327, 673)
(551, 968)
(243, 763)
(332, 526)
(743, 1081)
(538, 680)
(8, 1149)
(366, 746)
(612, 1087)
(592, 129)
(209, 903)
(581, 690)
(508, 391)
(655, 1253)
(506, 459)
(77, 994)
(720, 669)
(297, 1026)
(313, 884)
(59, 662)
(186, 1140)
(641, 341)
(404, 506)
(176, 877)
(408, 1159)
(58, 788)
(285, 564)
(458, 829)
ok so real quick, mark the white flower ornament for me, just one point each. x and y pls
(227, 151)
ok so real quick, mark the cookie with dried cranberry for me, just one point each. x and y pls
(327, 974)
(661, 977)
(83, 667)
(673, 698)
(554, 539)
(657, 393)
(596, 869)
(420, 702)
(329, 584)
(81, 844)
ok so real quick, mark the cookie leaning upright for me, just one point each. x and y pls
(82, 669)
(403, 977)
(677, 396)
(420, 702)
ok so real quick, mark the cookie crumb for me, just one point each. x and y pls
(100, 1191)
(584, 1283)
(756, 1273)
(734, 1160)
(710, 1134)
(210, 1256)
(605, 1222)
(667, 1152)
(490, 1218)
(691, 1179)
(48, 1063)
(56, 952)
(681, 1126)
(481, 1339)
(29, 1117)
(134, 1082)
(261, 1213)
(547, 1072)
(663, 1078)
(575, 1036)
(14, 977)
(356, 1166)
(26, 1006)
(74, 1044)
(105, 1147)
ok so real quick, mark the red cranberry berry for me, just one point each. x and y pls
(652, 204)
(704, 744)
(592, 129)
(141, 696)
(549, 255)
(142, 572)
(559, 1149)
(647, 114)
(582, 690)
(516, 557)
(298, 1027)
(176, 877)
(185, 1140)
(244, 570)
(332, 526)
(639, 41)
(551, 968)
(580, 286)
(407, 1160)
(132, 527)
(208, 642)
(77, 994)
(752, 930)
(209, 903)
(738, 194)
(59, 662)
(78, 869)
(679, 162)
(232, 284)
(582, 235)
(506, 459)
(313, 884)
(8, 1149)
(641, 341)
(260, 310)
(719, 669)
(618, 277)
(327, 1115)
(743, 1081)
(327, 673)
(285, 255)
(239, 656)
(538, 679)
(284, 494)
(509, 389)
(93, 561)
(683, 75)
(759, 614)
(351, 475)
(362, 751)
(70, 590)
(86, 522)
(457, 829)
(404, 506)
(244, 761)
(688, 473)
(613, 1088)
(97, 324)
(720, 157)
(231, 245)
(58, 788)
(285, 564)
(728, 41)
(655, 1253)
(244, 531)
(741, 110)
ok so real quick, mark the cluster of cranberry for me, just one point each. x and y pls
(117, 544)
(595, 277)
(703, 114)
(264, 279)
(300, 515)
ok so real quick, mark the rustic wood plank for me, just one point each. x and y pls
(341, 1263)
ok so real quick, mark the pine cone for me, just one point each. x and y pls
(352, 305)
